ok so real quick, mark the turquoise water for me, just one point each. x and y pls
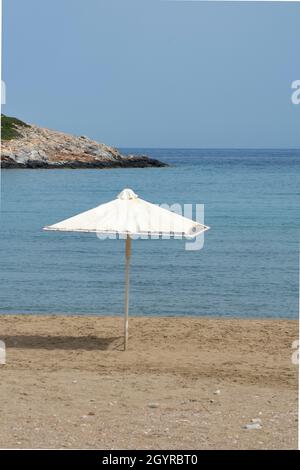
(248, 266)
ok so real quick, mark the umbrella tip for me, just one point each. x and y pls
(127, 194)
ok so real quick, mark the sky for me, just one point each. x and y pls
(155, 73)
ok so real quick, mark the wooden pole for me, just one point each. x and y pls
(127, 274)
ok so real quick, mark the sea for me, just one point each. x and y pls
(248, 265)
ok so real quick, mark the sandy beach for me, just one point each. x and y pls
(184, 383)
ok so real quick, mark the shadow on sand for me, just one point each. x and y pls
(88, 343)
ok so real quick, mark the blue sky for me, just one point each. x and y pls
(155, 73)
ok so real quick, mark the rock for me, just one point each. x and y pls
(253, 426)
(256, 420)
(153, 405)
(217, 392)
(36, 147)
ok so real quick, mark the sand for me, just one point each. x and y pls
(184, 383)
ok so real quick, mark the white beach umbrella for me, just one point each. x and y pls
(129, 216)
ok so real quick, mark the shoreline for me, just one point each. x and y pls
(179, 316)
(185, 382)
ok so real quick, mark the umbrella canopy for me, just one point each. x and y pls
(128, 215)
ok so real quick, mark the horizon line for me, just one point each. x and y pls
(206, 148)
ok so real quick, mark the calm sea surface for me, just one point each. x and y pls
(248, 266)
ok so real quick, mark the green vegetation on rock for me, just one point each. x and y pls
(8, 129)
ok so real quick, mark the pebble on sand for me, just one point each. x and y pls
(256, 420)
(252, 426)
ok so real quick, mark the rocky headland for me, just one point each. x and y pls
(30, 146)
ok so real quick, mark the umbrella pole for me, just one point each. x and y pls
(127, 273)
